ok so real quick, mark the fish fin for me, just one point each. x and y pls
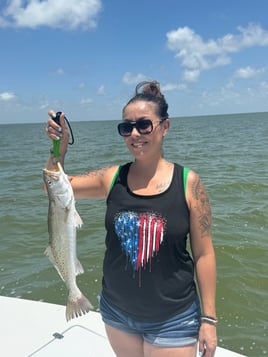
(78, 268)
(49, 254)
(77, 307)
(77, 220)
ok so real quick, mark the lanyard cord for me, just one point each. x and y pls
(56, 118)
(71, 131)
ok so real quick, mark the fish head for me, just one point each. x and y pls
(57, 184)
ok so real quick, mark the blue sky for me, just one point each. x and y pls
(85, 57)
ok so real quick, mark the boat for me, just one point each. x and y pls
(39, 329)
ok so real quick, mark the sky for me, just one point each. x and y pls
(85, 57)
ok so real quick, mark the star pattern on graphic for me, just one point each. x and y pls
(140, 236)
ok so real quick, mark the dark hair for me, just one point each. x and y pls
(150, 92)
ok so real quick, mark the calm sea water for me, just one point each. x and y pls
(230, 152)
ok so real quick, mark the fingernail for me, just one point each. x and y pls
(59, 129)
(57, 138)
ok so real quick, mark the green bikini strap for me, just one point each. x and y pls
(185, 174)
(115, 177)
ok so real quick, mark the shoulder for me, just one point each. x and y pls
(195, 189)
(192, 178)
(107, 174)
(111, 174)
(105, 171)
(199, 205)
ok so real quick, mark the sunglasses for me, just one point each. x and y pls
(143, 126)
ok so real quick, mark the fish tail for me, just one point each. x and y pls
(77, 307)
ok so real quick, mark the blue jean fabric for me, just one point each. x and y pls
(177, 331)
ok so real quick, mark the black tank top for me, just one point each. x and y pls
(148, 273)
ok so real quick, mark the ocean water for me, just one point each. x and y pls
(230, 153)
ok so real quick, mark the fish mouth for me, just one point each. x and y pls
(52, 172)
(50, 176)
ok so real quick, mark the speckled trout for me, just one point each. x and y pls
(63, 221)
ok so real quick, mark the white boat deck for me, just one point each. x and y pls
(38, 329)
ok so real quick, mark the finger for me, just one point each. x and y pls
(202, 350)
(63, 121)
(53, 135)
(53, 130)
(51, 113)
(52, 123)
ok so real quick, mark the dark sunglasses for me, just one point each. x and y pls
(143, 126)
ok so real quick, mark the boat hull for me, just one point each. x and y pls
(39, 329)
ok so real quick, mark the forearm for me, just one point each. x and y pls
(51, 163)
(206, 279)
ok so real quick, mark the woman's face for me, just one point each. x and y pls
(145, 145)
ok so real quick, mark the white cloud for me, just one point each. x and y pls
(191, 75)
(86, 101)
(101, 90)
(82, 85)
(130, 78)
(7, 96)
(231, 98)
(264, 85)
(197, 55)
(248, 72)
(44, 105)
(60, 71)
(63, 14)
(172, 86)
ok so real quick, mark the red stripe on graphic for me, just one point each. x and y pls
(141, 224)
(159, 231)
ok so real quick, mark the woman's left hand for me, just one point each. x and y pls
(207, 340)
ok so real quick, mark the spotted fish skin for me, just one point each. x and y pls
(63, 221)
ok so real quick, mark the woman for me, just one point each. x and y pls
(149, 302)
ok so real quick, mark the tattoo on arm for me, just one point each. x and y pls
(202, 207)
(98, 172)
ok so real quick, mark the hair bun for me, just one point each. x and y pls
(147, 87)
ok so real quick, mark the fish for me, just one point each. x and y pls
(63, 222)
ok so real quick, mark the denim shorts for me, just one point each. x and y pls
(177, 331)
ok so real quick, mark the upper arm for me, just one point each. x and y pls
(94, 183)
(200, 215)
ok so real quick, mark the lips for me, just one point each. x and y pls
(138, 145)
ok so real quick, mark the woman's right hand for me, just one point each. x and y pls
(58, 132)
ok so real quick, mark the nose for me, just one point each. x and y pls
(135, 132)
